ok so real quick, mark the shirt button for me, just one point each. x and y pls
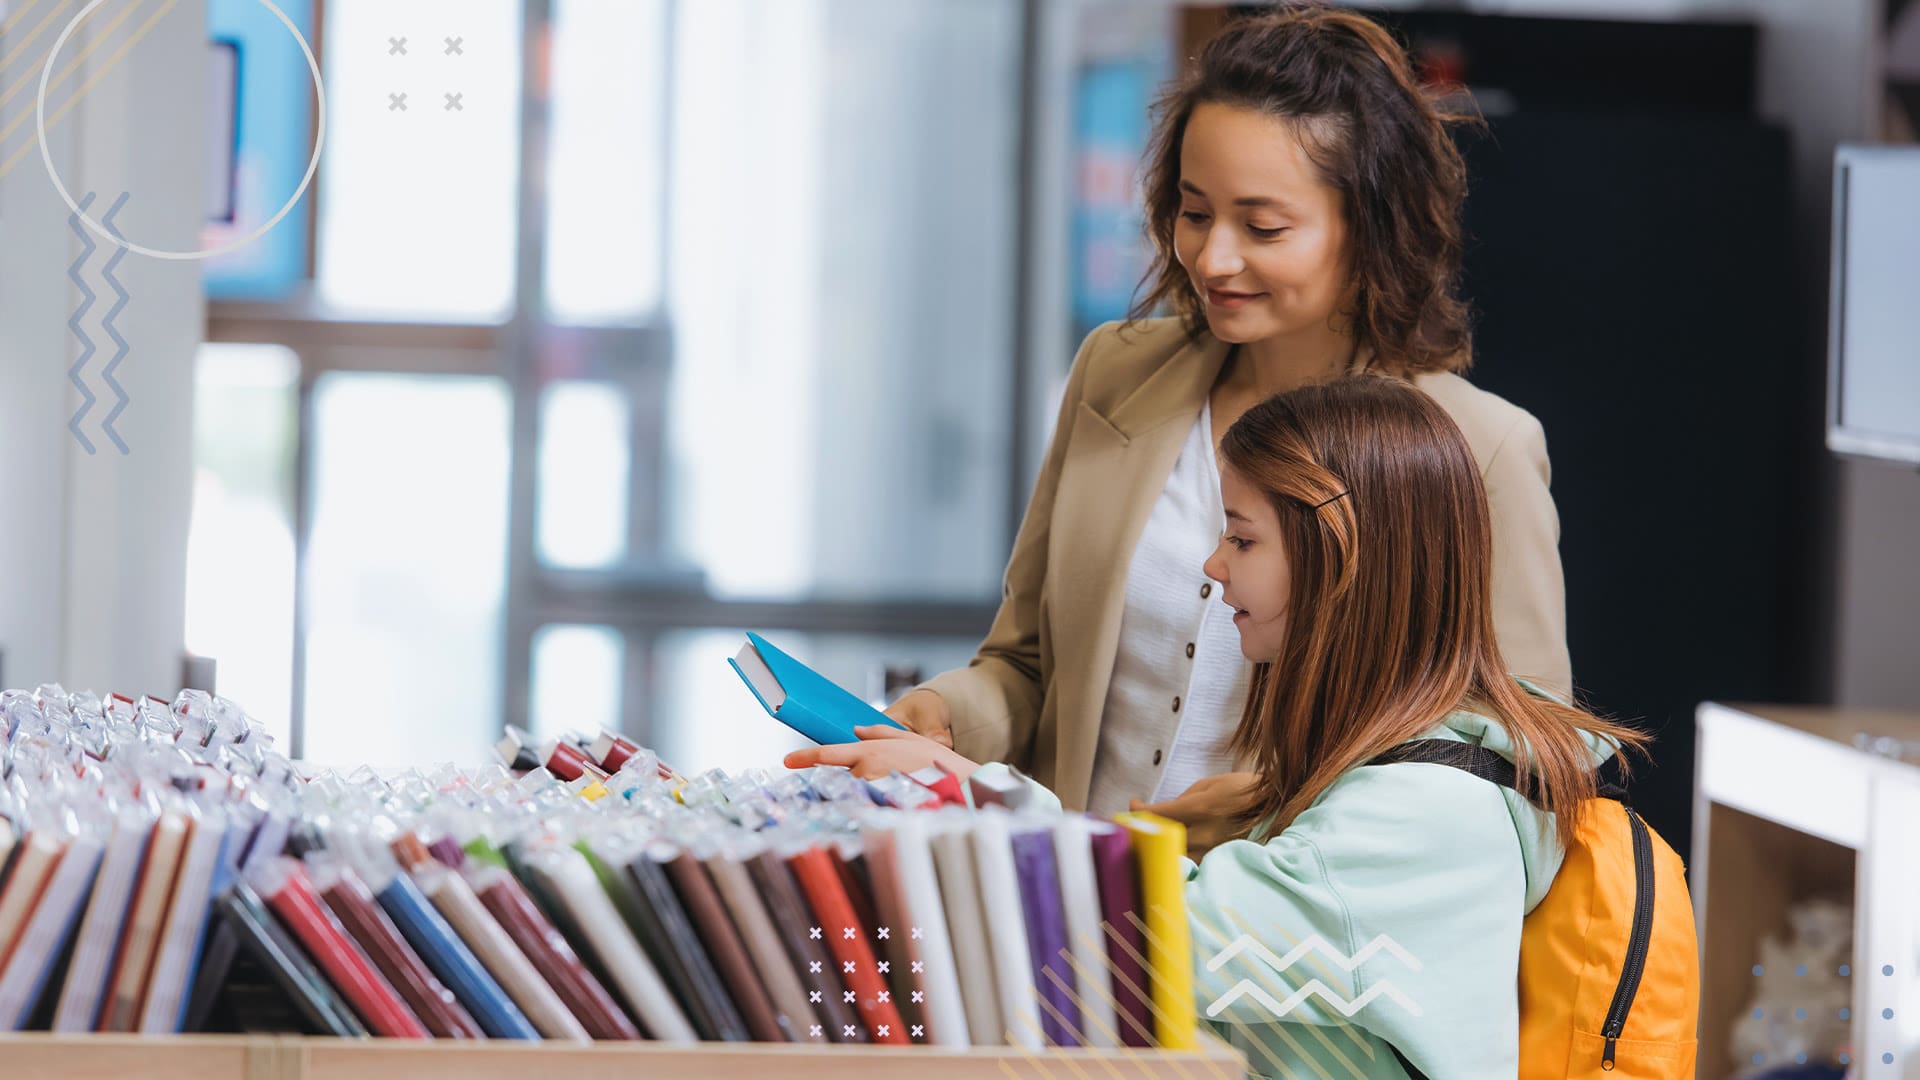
(1189, 650)
(1206, 590)
(1156, 757)
(1176, 704)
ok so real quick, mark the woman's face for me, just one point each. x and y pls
(1251, 567)
(1261, 237)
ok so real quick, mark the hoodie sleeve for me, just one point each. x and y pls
(1392, 905)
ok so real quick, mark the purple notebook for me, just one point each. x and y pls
(1126, 943)
(1046, 935)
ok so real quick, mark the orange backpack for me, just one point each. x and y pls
(1609, 961)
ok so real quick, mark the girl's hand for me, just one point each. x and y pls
(882, 750)
(1206, 809)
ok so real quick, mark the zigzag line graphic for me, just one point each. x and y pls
(1315, 988)
(86, 343)
(120, 343)
(1312, 943)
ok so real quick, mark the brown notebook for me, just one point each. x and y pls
(729, 954)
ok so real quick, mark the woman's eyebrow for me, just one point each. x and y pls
(1191, 188)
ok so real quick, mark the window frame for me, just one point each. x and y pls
(641, 604)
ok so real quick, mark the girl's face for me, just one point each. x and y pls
(1260, 235)
(1251, 567)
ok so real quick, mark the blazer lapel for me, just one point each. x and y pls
(1121, 461)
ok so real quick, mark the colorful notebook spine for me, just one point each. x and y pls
(1033, 860)
(1080, 904)
(451, 961)
(181, 935)
(723, 944)
(826, 893)
(599, 1015)
(47, 931)
(792, 1012)
(350, 901)
(287, 964)
(34, 862)
(1007, 937)
(892, 938)
(793, 918)
(1125, 939)
(530, 997)
(93, 953)
(290, 896)
(570, 878)
(1161, 844)
(960, 894)
(134, 955)
(929, 945)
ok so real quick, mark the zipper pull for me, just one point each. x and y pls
(1606, 1059)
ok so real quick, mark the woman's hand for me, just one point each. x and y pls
(1206, 809)
(882, 750)
(925, 712)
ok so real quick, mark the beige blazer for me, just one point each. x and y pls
(1034, 693)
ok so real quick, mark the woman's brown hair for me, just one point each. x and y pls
(1389, 627)
(1374, 135)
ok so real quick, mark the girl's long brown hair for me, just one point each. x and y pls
(1389, 627)
(1375, 135)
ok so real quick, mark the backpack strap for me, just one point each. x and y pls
(1488, 765)
(1467, 757)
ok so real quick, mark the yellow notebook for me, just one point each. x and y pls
(1159, 844)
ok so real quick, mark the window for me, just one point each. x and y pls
(406, 569)
(603, 167)
(766, 379)
(240, 549)
(419, 183)
(840, 419)
(577, 678)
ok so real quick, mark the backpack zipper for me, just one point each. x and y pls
(1638, 942)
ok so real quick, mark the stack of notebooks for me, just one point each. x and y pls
(165, 870)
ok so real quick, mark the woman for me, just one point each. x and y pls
(1303, 196)
(1357, 565)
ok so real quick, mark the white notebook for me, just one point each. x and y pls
(572, 880)
(952, 843)
(1086, 944)
(1000, 902)
(945, 1007)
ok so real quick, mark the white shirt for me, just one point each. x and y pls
(1179, 682)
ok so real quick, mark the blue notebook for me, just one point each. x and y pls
(800, 697)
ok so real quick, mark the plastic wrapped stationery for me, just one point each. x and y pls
(163, 869)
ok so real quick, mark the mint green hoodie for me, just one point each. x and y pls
(1401, 890)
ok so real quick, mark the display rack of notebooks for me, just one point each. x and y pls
(163, 869)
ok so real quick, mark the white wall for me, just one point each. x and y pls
(93, 549)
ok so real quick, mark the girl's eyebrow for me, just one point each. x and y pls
(1235, 515)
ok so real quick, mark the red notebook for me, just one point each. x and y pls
(847, 939)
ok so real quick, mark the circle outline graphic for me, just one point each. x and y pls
(313, 163)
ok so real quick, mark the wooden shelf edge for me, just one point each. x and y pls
(286, 1057)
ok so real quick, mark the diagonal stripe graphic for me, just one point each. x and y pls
(106, 67)
(98, 40)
